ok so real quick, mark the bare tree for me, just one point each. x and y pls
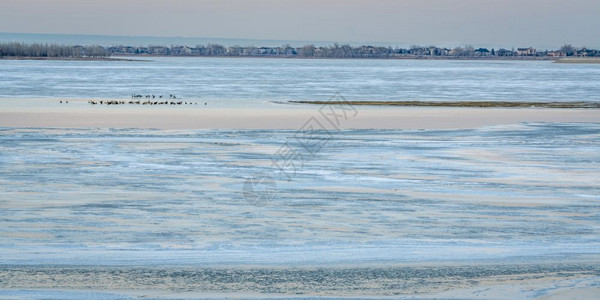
(307, 51)
(568, 50)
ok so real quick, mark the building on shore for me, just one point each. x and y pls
(526, 51)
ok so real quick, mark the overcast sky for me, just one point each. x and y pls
(490, 23)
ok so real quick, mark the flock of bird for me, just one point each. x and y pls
(147, 102)
(171, 96)
(135, 100)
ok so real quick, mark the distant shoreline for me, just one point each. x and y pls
(147, 57)
(335, 51)
(505, 58)
(68, 58)
(578, 60)
(466, 104)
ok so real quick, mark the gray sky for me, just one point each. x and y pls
(489, 23)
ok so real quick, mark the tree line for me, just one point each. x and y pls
(347, 51)
(14, 49)
(307, 51)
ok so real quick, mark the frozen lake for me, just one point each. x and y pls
(256, 80)
(526, 192)
(104, 213)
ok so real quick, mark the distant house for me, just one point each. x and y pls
(78, 50)
(264, 50)
(181, 50)
(581, 52)
(402, 51)
(555, 54)
(159, 50)
(504, 52)
(289, 51)
(526, 51)
(482, 52)
(122, 49)
(196, 51)
(417, 51)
